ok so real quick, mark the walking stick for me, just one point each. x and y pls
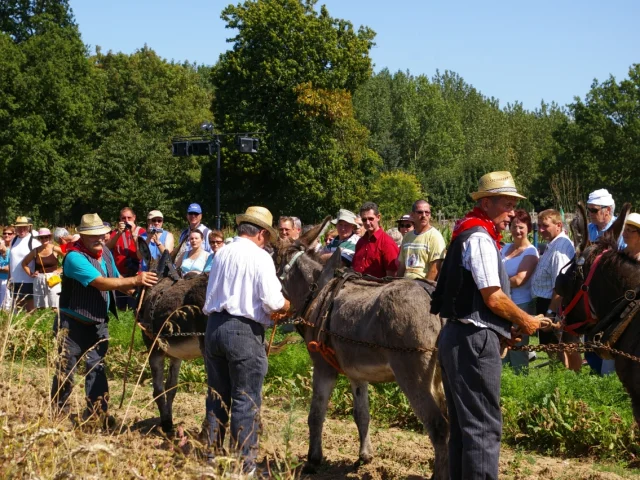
(133, 336)
(273, 334)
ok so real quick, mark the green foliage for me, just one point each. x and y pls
(395, 192)
(290, 73)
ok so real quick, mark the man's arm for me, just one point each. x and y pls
(125, 284)
(500, 304)
(434, 270)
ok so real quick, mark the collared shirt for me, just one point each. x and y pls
(480, 257)
(376, 254)
(595, 233)
(557, 254)
(348, 246)
(243, 282)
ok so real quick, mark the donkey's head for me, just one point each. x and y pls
(298, 265)
(571, 281)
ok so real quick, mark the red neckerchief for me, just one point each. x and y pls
(79, 247)
(477, 218)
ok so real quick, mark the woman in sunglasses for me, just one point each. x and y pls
(631, 236)
(46, 266)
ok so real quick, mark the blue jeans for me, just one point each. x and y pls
(88, 343)
(236, 364)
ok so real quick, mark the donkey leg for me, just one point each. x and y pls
(324, 380)
(362, 417)
(421, 382)
(156, 362)
(170, 392)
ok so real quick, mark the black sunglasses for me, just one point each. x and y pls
(594, 209)
(405, 225)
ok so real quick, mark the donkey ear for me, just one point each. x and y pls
(579, 229)
(313, 235)
(144, 250)
(615, 230)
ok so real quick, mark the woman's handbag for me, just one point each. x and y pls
(53, 280)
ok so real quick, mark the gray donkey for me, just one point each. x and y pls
(395, 341)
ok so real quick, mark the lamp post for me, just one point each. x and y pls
(203, 145)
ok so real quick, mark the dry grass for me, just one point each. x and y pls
(35, 444)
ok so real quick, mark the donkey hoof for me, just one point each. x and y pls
(309, 468)
(167, 427)
(363, 460)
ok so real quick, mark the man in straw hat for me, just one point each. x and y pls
(89, 278)
(242, 292)
(21, 246)
(473, 295)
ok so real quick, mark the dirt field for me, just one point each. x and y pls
(33, 445)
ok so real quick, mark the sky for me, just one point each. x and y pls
(524, 51)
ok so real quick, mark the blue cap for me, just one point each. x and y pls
(194, 208)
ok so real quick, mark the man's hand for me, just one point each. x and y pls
(146, 279)
(121, 226)
(284, 312)
(530, 324)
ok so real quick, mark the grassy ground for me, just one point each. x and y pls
(548, 411)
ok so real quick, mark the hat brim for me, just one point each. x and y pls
(22, 225)
(256, 221)
(478, 195)
(336, 220)
(93, 230)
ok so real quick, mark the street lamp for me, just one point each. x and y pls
(204, 145)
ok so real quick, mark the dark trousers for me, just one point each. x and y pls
(471, 368)
(78, 342)
(236, 364)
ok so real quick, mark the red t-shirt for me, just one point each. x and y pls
(376, 254)
(125, 253)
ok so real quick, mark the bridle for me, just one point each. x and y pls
(582, 294)
(287, 268)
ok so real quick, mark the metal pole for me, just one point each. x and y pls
(218, 184)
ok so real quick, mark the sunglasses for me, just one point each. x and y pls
(195, 214)
(45, 237)
(422, 212)
(157, 220)
(594, 209)
(216, 242)
(405, 225)
(8, 233)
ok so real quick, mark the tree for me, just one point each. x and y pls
(22, 19)
(395, 192)
(290, 74)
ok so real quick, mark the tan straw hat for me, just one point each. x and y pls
(261, 217)
(22, 222)
(91, 224)
(496, 184)
(633, 219)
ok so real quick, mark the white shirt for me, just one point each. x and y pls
(16, 255)
(481, 258)
(521, 294)
(558, 253)
(243, 282)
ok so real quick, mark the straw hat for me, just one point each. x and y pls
(633, 219)
(496, 184)
(91, 224)
(261, 217)
(22, 222)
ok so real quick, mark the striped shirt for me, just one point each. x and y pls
(557, 254)
(481, 258)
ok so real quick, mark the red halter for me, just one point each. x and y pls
(584, 294)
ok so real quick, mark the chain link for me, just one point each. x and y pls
(183, 334)
(302, 321)
(575, 348)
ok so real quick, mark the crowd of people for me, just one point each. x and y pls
(486, 290)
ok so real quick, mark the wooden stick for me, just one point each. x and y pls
(273, 334)
(133, 336)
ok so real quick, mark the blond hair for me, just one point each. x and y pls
(551, 214)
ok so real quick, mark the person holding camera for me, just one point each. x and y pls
(123, 246)
(158, 239)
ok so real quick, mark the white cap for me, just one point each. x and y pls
(601, 197)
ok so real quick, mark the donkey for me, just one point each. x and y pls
(172, 306)
(395, 315)
(614, 275)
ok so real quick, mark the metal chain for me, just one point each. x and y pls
(302, 321)
(575, 348)
(183, 334)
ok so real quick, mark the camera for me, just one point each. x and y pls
(153, 230)
(127, 226)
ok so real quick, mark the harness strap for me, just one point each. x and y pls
(584, 295)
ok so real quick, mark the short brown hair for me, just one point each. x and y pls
(522, 216)
(553, 215)
(216, 233)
